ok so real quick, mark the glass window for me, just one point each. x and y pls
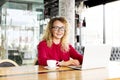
(20, 30)
(112, 23)
(92, 33)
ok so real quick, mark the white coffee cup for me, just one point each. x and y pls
(51, 63)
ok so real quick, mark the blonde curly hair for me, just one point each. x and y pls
(48, 33)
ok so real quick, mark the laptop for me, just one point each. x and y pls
(95, 56)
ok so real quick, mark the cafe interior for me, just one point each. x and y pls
(23, 22)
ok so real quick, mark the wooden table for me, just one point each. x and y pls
(7, 71)
(63, 73)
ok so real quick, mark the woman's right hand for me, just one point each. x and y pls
(73, 62)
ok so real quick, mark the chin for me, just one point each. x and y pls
(58, 37)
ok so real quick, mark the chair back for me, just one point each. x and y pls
(8, 63)
(35, 61)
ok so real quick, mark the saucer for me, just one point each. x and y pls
(47, 67)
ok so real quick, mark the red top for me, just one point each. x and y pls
(54, 52)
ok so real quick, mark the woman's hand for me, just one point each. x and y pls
(73, 62)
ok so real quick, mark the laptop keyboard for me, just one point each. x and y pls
(115, 54)
(75, 67)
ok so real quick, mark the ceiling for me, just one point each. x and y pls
(51, 6)
(54, 3)
(89, 3)
(92, 3)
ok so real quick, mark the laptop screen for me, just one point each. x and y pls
(96, 56)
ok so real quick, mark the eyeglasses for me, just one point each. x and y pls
(56, 28)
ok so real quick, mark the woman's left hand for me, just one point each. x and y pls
(75, 62)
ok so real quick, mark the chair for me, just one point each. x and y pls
(115, 54)
(35, 61)
(8, 63)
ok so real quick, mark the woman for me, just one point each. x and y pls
(55, 45)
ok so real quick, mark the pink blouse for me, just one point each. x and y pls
(54, 52)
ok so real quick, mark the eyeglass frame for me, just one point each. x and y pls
(56, 28)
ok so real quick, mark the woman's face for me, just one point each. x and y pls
(58, 30)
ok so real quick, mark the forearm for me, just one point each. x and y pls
(63, 63)
(68, 63)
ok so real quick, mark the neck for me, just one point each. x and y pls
(56, 41)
